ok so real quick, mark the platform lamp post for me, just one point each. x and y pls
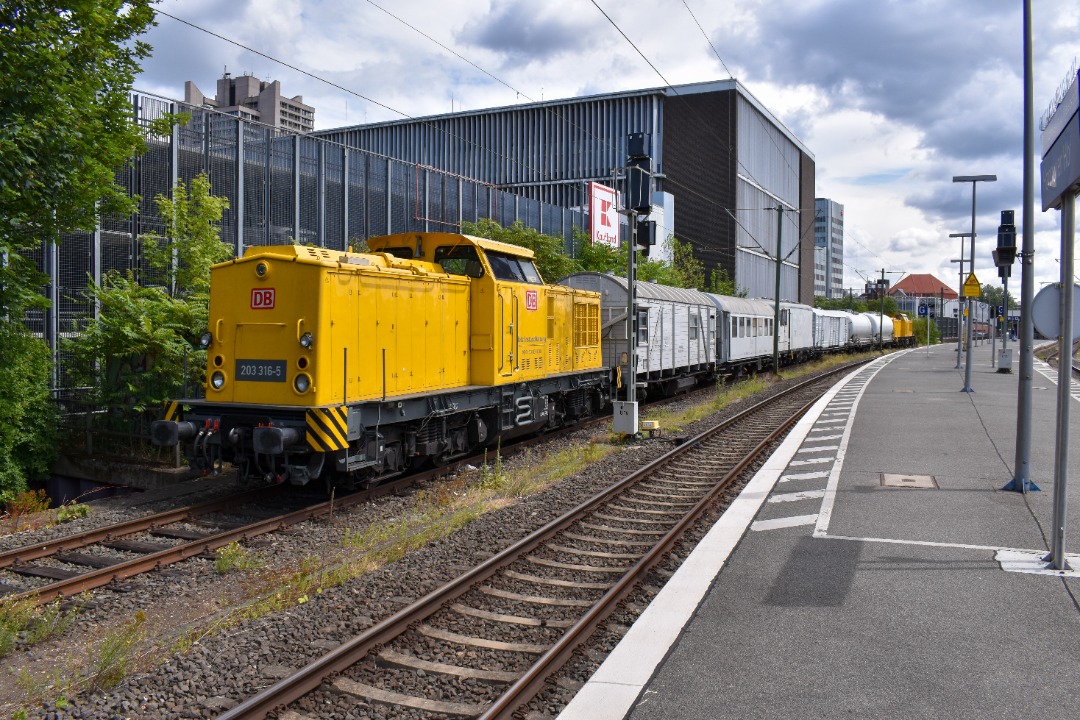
(974, 180)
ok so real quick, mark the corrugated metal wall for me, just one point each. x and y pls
(545, 151)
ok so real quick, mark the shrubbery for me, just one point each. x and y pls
(27, 414)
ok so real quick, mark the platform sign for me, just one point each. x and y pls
(972, 287)
(1061, 147)
(923, 310)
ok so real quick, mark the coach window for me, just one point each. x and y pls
(643, 327)
(459, 260)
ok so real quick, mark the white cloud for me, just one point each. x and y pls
(892, 98)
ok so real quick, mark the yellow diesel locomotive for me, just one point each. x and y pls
(351, 367)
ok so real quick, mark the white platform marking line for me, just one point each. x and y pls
(827, 503)
(1052, 375)
(617, 683)
(804, 476)
(811, 461)
(1017, 560)
(824, 437)
(818, 448)
(785, 522)
(795, 496)
(1031, 562)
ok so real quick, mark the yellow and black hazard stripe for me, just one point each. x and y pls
(171, 409)
(328, 428)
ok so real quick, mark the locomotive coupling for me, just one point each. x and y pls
(166, 433)
(274, 440)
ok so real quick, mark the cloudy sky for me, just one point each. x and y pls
(893, 97)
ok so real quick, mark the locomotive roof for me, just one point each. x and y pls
(409, 239)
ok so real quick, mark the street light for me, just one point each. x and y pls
(974, 180)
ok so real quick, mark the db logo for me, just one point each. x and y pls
(262, 298)
(532, 300)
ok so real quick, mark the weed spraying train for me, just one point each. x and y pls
(347, 368)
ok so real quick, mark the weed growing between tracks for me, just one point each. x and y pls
(235, 556)
(24, 622)
(117, 654)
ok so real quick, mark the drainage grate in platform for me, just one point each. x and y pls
(918, 482)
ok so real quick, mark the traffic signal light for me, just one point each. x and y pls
(646, 236)
(1005, 254)
(638, 173)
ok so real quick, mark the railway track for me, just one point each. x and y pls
(77, 563)
(483, 645)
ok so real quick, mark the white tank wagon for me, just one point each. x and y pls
(885, 324)
(832, 329)
(862, 332)
(675, 331)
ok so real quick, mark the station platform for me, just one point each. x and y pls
(873, 568)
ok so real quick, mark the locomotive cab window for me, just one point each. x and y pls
(405, 253)
(459, 260)
(513, 269)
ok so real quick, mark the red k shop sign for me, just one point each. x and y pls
(603, 214)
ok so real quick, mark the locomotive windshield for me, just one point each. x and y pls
(513, 269)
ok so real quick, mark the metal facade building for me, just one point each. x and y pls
(728, 163)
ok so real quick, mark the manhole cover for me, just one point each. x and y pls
(919, 482)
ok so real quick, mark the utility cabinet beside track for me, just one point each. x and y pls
(357, 366)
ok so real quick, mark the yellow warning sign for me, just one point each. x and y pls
(972, 288)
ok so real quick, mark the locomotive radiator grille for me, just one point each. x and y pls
(328, 429)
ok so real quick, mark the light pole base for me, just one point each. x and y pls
(1025, 486)
(967, 390)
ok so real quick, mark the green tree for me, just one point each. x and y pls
(65, 73)
(136, 353)
(722, 284)
(27, 414)
(597, 257)
(992, 294)
(850, 304)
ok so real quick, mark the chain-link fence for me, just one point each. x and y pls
(282, 188)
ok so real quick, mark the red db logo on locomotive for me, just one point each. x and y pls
(262, 298)
(532, 300)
